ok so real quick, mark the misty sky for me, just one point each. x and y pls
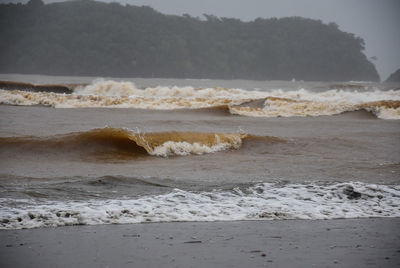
(376, 21)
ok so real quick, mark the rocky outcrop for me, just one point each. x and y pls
(394, 77)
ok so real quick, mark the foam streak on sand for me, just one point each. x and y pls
(266, 201)
(384, 104)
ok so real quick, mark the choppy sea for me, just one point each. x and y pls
(112, 150)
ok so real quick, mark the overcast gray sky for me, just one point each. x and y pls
(376, 21)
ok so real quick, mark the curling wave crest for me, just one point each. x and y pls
(125, 142)
(264, 201)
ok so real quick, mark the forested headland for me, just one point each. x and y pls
(88, 38)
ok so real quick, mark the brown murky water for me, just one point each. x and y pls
(109, 154)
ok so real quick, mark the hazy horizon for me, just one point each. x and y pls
(375, 21)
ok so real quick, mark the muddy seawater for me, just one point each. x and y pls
(114, 150)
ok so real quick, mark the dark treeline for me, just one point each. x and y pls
(100, 39)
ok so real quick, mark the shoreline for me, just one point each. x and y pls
(279, 243)
(330, 166)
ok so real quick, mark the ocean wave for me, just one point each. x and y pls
(125, 143)
(264, 201)
(129, 89)
(274, 103)
(17, 97)
(280, 107)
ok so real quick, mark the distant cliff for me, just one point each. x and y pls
(394, 77)
(99, 39)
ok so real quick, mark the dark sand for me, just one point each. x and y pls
(290, 243)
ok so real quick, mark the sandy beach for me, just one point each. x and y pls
(299, 243)
(199, 134)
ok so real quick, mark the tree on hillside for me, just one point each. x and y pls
(35, 3)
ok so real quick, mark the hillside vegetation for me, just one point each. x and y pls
(99, 39)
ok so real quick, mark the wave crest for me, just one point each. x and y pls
(272, 103)
(280, 107)
(127, 143)
(129, 89)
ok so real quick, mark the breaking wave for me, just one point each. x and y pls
(124, 142)
(274, 103)
(279, 107)
(264, 201)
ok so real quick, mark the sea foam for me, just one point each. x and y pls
(385, 104)
(264, 201)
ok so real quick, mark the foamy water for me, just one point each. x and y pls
(185, 148)
(286, 103)
(265, 201)
(207, 162)
(129, 89)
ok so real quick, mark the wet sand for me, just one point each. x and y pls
(290, 243)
